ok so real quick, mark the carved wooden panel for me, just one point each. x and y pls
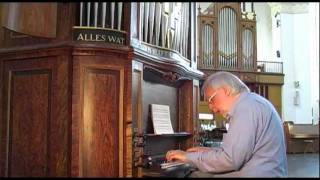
(34, 122)
(101, 122)
(100, 114)
(101, 96)
(29, 123)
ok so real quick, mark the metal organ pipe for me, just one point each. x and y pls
(164, 26)
(88, 14)
(187, 29)
(235, 40)
(229, 39)
(112, 14)
(104, 9)
(230, 43)
(141, 25)
(204, 45)
(81, 13)
(151, 20)
(101, 14)
(119, 15)
(187, 7)
(182, 27)
(209, 45)
(95, 14)
(157, 22)
(219, 40)
(146, 22)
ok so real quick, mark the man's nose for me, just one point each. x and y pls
(214, 110)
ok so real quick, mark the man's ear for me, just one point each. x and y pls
(227, 91)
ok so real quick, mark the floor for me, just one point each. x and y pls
(303, 165)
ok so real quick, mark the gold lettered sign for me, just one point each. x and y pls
(93, 34)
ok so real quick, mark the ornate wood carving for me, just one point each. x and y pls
(162, 76)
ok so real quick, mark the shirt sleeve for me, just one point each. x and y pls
(236, 148)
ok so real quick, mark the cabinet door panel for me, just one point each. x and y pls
(29, 127)
(99, 106)
(101, 123)
(34, 122)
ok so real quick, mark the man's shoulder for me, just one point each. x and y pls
(254, 101)
(254, 97)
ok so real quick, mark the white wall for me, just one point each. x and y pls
(264, 32)
(288, 109)
(314, 56)
(203, 5)
(297, 61)
(276, 37)
(297, 38)
(302, 61)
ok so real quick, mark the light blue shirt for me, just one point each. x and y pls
(254, 145)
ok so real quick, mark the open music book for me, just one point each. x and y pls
(161, 119)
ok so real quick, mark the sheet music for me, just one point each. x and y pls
(161, 119)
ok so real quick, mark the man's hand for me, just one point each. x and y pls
(198, 149)
(176, 155)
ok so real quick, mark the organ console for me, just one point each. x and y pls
(152, 159)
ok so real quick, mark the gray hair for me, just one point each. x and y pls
(223, 78)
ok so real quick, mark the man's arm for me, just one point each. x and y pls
(237, 146)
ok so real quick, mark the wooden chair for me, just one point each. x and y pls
(286, 126)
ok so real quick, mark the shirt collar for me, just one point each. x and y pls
(233, 107)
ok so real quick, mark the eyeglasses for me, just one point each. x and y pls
(212, 96)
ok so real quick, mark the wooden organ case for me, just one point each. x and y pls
(163, 72)
(75, 93)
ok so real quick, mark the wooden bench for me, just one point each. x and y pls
(301, 137)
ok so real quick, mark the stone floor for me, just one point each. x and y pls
(303, 165)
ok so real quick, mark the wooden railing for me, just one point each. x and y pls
(270, 67)
(262, 66)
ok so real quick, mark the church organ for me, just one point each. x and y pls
(227, 39)
(172, 74)
(75, 95)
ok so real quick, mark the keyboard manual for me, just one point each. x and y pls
(171, 164)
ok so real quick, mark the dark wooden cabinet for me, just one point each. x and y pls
(35, 115)
(63, 112)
